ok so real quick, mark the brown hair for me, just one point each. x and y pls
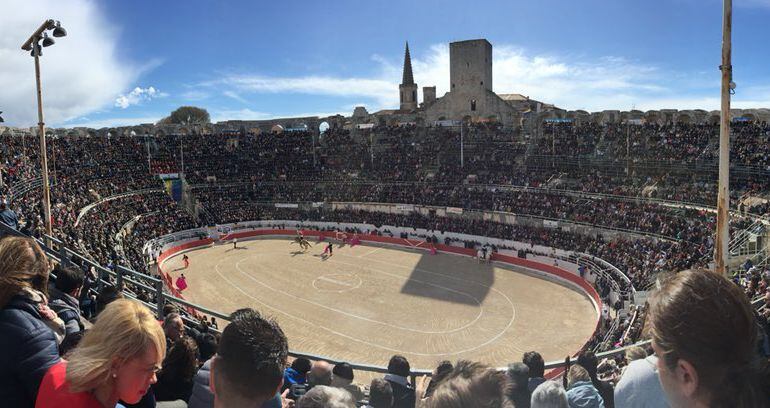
(472, 385)
(22, 265)
(706, 320)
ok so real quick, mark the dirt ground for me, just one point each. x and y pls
(366, 303)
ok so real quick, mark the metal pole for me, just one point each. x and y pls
(721, 253)
(628, 149)
(462, 152)
(181, 148)
(43, 153)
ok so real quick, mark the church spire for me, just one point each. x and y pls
(408, 78)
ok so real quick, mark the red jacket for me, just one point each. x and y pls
(54, 391)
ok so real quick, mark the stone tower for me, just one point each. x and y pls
(407, 89)
(470, 65)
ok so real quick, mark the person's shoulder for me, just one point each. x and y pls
(54, 391)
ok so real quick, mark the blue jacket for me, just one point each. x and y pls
(27, 349)
(583, 394)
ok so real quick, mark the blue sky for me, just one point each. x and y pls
(133, 62)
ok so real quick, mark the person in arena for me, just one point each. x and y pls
(705, 336)
(186, 261)
(117, 360)
(28, 345)
(328, 249)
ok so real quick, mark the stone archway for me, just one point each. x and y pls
(277, 129)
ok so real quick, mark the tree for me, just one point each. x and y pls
(186, 115)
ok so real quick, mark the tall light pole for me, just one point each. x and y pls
(33, 44)
(721, 253)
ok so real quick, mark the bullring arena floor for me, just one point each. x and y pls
(366, 303)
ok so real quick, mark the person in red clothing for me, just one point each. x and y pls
(117, 360)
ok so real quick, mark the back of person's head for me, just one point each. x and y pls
(399, 365)
(70, 342)
(472, 384)
(577, 373)
(301, 365)
(518, 373)
(169, 308)
(518, 392)
(587, 359)
(181, 362)
(107, 295)
(23, 265)
(125, 332)
(68, 278)
(635, 353)
(705, 335)
(549, 394)
(535, 362)
(343, 370)
(320, 373)
(380, 393)
(248, 367)
(207, 346)
(326, 397)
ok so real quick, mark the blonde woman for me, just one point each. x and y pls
(28, 342)
(117, 360)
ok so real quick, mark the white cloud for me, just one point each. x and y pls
(138, 95)
(234, 95)
(80, 74)
(221, 115)
(111, 122)
(567, 81)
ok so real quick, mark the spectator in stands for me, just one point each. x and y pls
(117, 360)
(7, 216)
(343, 378)
(324, 396)
(549, 394)
(65, 295)
(635, 353)
(471, 384)
(173, 327)
(175, 380)
(207, 346)
(581, 393)
(248, 367)
(518, 392)
(28, 346)
(441, 371)
(639, 386)
(380, 394)
(297, 373)
(588, 360)
(320, 374)
(107, 295)
(536, 365)
(398, 376)
(705, 335)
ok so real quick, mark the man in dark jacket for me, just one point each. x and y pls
(7, 215)
(65, 294)
(28, 348)
(398, 377)
(588, 360)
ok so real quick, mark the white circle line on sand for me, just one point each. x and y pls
(355, 316)
(348, 286)
(467, 350)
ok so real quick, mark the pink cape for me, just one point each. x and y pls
(181, 283)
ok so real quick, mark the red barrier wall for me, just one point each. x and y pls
(409, 243)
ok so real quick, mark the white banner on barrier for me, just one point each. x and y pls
(454, 210)
(286, 205)
(405, 207)
(550, 224)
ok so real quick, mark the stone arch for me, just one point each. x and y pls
(714, 119)
(683, 119)
(652, 117)
(277, 129)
